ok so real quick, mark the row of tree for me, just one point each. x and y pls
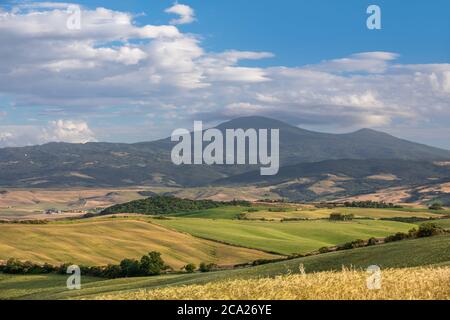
(371, 204)
(149, 265)
(341, 217)
(425, 230)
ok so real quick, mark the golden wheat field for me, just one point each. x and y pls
(396, 284)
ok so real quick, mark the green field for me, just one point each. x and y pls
(100, 242)
(288, 237)
(230, 212)
(408, 253)
(302, 212)
(445, 223)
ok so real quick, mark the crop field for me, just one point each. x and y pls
(397, 284)
(302, 213)
(258, 212)
(31, 203)
(288, 237)
(230, 212)
(433, 251)
(444, 223)
(103, 242)
(390, 213)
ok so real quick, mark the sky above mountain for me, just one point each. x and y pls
(135, 70)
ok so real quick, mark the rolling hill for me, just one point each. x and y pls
(111, 240)
(403, 254)
(332, 179)
(148, 163)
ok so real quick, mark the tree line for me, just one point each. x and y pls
(371, 204)
(160, 205)
(150, 264)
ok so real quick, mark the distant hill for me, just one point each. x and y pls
(148, 163)
(332, 179)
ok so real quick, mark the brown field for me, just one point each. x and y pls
(31, 203)
(396, 284)
(104, 242)
(73, 202)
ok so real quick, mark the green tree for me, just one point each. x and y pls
(129, 267)
(152, 264)
(428, 230)
(190, 268)
(436, 206)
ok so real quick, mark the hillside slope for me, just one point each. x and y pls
(402, 254)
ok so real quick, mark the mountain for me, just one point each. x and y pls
(299, 145)
(149, 163)
(336, 179)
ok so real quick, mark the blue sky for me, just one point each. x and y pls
(313, 63)
(307, 32)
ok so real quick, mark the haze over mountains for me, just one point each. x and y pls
(303, 154)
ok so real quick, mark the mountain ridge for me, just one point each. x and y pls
(149, 163)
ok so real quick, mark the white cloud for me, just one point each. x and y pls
(73, 131)
(113, 62)
(5, 136)
(372, 62)
(186, 13)
(69, 131)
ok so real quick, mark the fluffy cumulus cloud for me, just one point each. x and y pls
(157, 69)
(69, 131)
(74, 131)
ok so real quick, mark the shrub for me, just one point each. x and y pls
(396, 237)
(428, 230)
(112, 271)
(436, 206)
(207, 267)
(372, 242)
(352, 245)
(189, 268)
(324, 250)
(242, 216)
(370, 204)
(341, 217)
(278, 209)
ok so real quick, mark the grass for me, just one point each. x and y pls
(230, 212)
(396, 284)
(20, 287)
(109, 241)
(285, 238)
(388, 213)
(403, 254)
(445, 223)
(270, 213)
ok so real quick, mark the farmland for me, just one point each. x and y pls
(226, 235)
(398, 284)
(104, 242)
(303, 211)
(403, 254)
(285, 238)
